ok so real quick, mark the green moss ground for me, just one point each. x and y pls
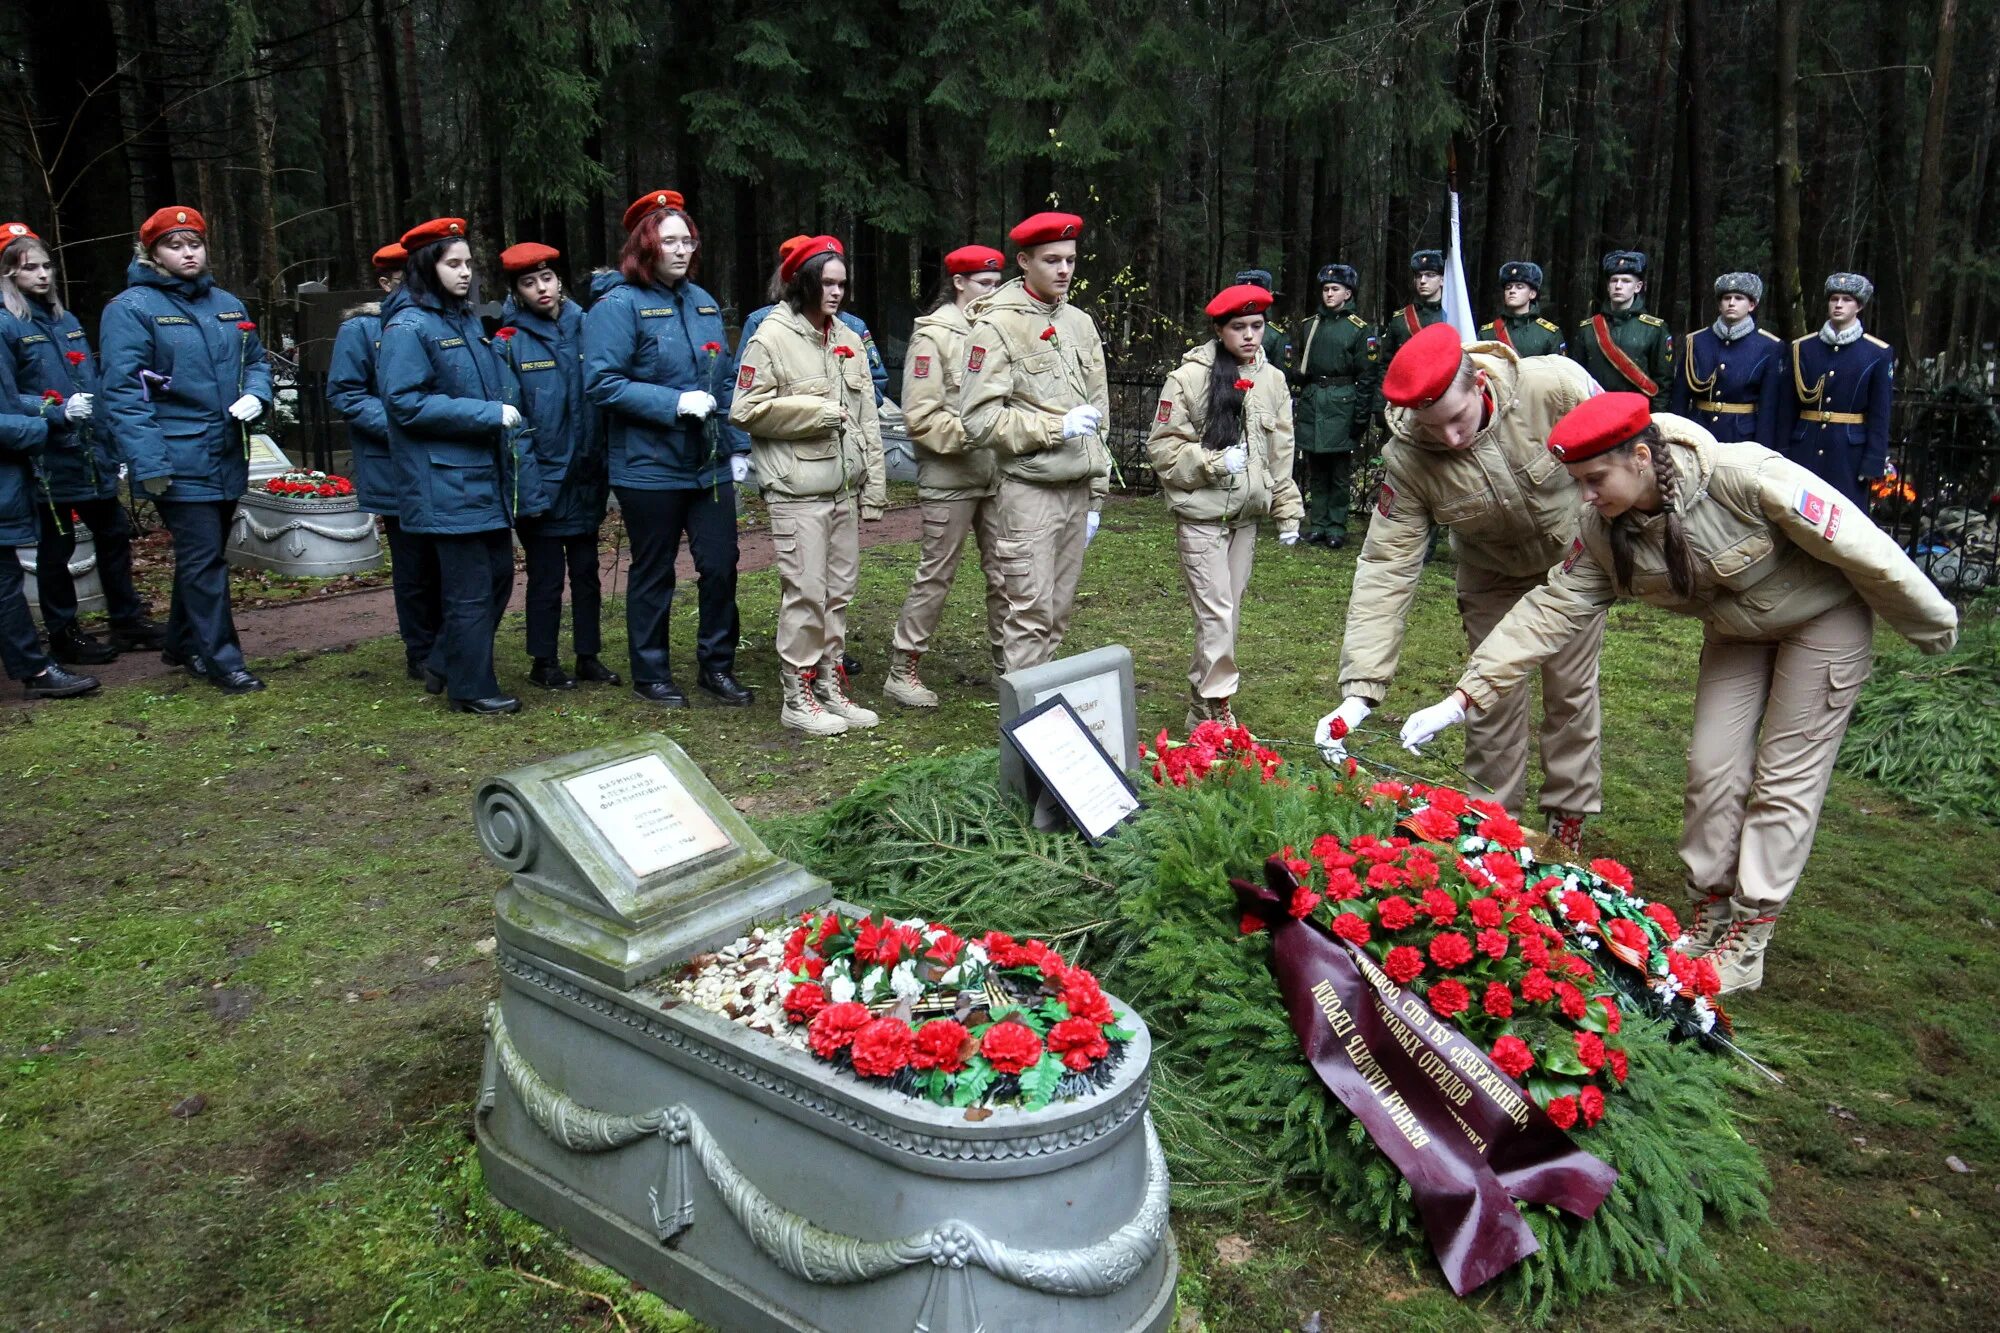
(277, 904)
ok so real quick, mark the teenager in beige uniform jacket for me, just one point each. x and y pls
(1221, 445)
(1468, 427)
(804, 396)
(957, 485)
(1035, 393)
(1786, 576)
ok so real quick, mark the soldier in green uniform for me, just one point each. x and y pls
(1625, 349)
(1521, 325)
(1425, 308)
(1277, 343)
(1335, 370)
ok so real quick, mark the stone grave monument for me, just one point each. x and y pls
(1098, 684)
(739, 1177)
(299, 535)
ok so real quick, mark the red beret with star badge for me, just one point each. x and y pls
(1043, 228)
(174, 217)
(16, 231)
(805, 252)
(527, 257)
(437, 229)
(974, 259)
(1420, 373)
(1599, 425)
(1245, 298)
(390, 258)
(652, 201)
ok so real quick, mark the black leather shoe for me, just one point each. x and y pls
(192, 663)
(413, 668)
(55, 683)
(499, 703)
(662, 692)
(131, 636)
(72, 647)
(433, 682)
(594, 671)
(850, 664)
(726, 688)
(548, 673)
(236, 682)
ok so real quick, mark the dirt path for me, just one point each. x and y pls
(350, 618)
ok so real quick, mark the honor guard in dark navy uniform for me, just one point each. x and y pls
(1624, 348)
(1277, 343)
(1425, 309)
(1842, 380)
(1521, 325)
(1730, 376)
(1335, 368)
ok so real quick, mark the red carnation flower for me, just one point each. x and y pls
(1341, 885)
(1576, 965)
(1448, 998)
(1395, 913)
(1590, 1102)
(1498, 1002)
(813, 967)
(941, 1045)
(1535, 952)
(834, 1027)
(1434, 825)
(1303, 902)
(1662, 916)
(1403, 964)
(843, 351)
(1451, 949)
(1513, 1056)
(883, 1047)
(1502, 829)
(1613, 873)
(1453, 803)
(74, 358)
(804, 1001)
(1619, 1063)
(1084, 999)
(1383, 876)
(1245, 386)
(1423, 868)
(1590, 1050)
(1440, 907)
(1613, 1020)
(1395, 791)
(1048, 333)
(829, 926)
(246, 326)
(1563, 1111)
(1249, 925)
(711, 348)
(1010, 1047)
(1079, 1042)
(946, 948)
(878, 942)
(1578, 907)
(1491, 943)
(1537, 987)
(1351, 927)
(51, 396)
(1571, 1001)
(505, 333)
(1505, 871)
(1626, 934)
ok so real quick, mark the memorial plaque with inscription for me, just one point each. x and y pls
(1073, 768)
(646, 815)
(1098, 684)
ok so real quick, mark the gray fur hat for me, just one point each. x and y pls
(1850, 284)
(1521, 270)
(1749, 284)
(1427, 261)
(1344, 274)
(1625, 261)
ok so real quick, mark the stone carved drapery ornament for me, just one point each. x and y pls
(814, 1254)
(297, 536)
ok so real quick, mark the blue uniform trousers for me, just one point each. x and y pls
(413, 574)
(200, 622)
(20, 651)
(475, 579)
(548, 558)
(656, 520)
(56, 590)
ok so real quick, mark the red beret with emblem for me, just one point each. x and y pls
(805, 252)
(437, 229)
(789, 244)
(652, 201)
(1043, 228)
(391, 257)
(1424, 368)
(1599, 425)
(974, 259)
(16, 231)
(527, 257)
(174, 217)
(1242, 299)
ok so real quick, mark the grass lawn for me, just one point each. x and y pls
(243, 969)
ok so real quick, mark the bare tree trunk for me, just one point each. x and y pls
(336, 123)
(1886, 249)
(263, 128)
(413, 91)
(1578, 269)
(1657, 149)
(1787, 290)
(1963, 344)
(86, 182)
(1510, 198)
(1930, 186)
(152, 153)
(389, 108)
(1696, 75)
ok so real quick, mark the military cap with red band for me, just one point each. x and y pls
(1243, 299)
(174, 217)
(527, 257)
(437, 229)
(391, 257)
(1424, 368)
(16, 231)
(652, 202)
(805, 252)
(974, 259)
(1599, 425)
(1043, 228)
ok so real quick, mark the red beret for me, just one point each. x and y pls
(1599, 425)
(805, 252)
(1045, 227)
(390, 257)
(437, 229)
(16, 231)
(527, 257)
(1242, 299)
(789, 244)
(652, 201)
(1424, 368)
(172, 218)
(974, 259)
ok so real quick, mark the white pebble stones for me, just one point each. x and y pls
(745, 982)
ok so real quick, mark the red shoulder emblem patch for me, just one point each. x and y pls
(1832, 521)
(1387, 501)
(1166, 410)
(923, 368)
(746, 377)
(1575, 554)
(977, 359)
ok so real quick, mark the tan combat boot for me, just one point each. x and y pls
(1202, 710)
(830, 685)
(802, 711)
(903, 684)
(1739, 954)
(1567, 831)
(1706, 920)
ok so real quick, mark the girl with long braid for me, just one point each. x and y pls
(1787, 576)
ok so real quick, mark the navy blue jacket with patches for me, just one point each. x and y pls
(643, 347)
(547, 359)
(80, 463)
(24, 432)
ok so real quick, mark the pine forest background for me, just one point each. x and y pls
(1770, 135)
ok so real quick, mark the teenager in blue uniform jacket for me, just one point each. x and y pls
(47, 349)
(355, 392)
(657, 360)
(462, 469)
(544, 347)
(24, 433)
(1730, 376)
(183, 379)
(1842, 386)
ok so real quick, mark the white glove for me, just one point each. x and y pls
(510, 416)
(1426, 724)
(1090, 526)
(739, 468)
(76, 407)
(157, 485)
(697, 404)
(1290, 538)
(1083, 419)
(247, 408)
(1235, 460)
(1332, 740)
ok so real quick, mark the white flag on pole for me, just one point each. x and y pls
(1457, 301)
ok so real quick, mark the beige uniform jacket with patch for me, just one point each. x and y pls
(1197, 487)
(948, 468)
(1774, 545)
(1510, 506)
(788, 380)
(1018, 385)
